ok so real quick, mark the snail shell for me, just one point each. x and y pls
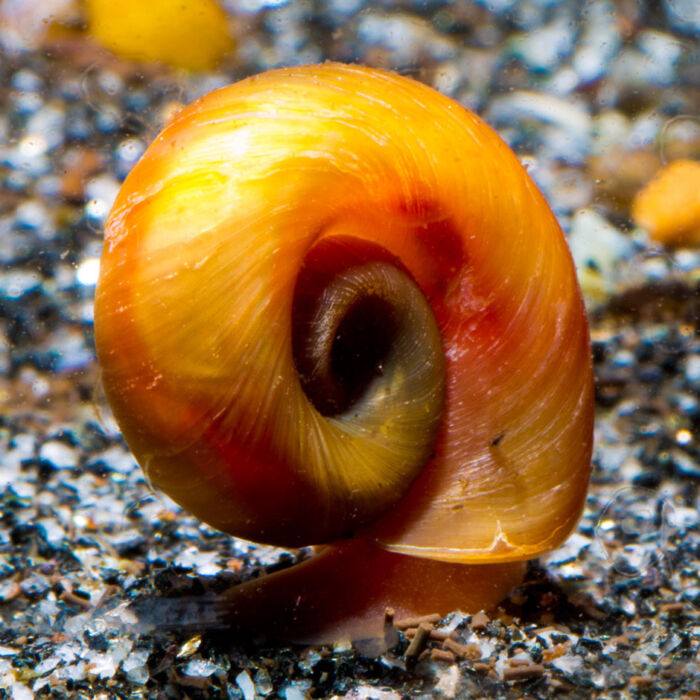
(333, 303)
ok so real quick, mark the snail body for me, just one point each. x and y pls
(333, 304)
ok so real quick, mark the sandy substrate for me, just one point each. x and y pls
(594, 97)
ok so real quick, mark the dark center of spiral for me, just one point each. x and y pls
(362, 342)
(367, 347)
(341, 334)
(370, 359)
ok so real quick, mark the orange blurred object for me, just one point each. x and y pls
(669, 206)
(332, 303)
(191, 34)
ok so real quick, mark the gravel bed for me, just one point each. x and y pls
(594, 96)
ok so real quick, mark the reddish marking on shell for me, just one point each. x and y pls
(445, 258)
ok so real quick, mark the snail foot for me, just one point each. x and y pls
(346, 589)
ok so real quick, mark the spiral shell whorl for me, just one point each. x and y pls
(203, 251)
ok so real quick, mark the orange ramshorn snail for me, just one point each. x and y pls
(334, 308)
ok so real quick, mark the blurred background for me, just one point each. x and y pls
(600, 99)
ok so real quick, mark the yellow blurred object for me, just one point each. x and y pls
(669, 206)
(192, 34)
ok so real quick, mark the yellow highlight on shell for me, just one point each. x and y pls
(191, 34)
